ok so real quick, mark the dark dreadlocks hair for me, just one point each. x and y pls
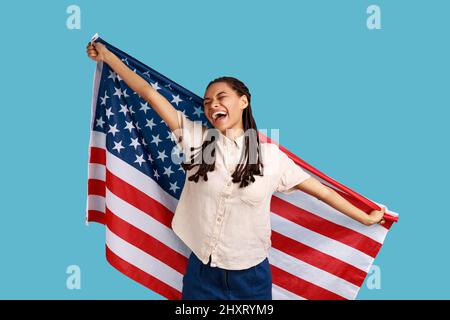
(253, 165)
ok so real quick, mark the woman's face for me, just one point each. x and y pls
(223, 107)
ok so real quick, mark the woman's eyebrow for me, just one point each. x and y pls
(216, 95)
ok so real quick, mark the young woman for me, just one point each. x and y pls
(223, 214)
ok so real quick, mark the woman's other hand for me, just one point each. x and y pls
(376, 216)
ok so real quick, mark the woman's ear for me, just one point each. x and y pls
(243, 102)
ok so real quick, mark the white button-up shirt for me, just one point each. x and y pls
(217, 218)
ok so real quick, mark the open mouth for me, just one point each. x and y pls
(219, 116)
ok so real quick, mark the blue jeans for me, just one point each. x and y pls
(203, 282)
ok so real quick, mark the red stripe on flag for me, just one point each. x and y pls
(301, 287)
(318, 259)
(96, 187)
(142, 277)
(97, 155)
(145, 242)
(138, 199)
(325, 227)
(96, 216)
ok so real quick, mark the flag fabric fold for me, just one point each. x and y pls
(135, 181)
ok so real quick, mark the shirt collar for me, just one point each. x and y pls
(238, 141)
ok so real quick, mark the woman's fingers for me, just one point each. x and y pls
(92, 54)
(91, 50)
(383, 210)
(96, 51)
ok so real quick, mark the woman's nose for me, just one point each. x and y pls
(215, 104)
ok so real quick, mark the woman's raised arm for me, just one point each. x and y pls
(98, 52)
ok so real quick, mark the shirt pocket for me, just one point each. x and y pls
(256, 192)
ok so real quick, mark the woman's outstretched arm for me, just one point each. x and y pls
(326, 194)
(98, 52)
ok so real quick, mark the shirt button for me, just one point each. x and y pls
(229, 183)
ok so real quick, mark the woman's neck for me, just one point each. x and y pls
(234, 132)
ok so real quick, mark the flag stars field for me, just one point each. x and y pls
(135, 143)
(144, 107)
(124, 109)
(112, 75)
(168, 171)
(129, 125)
(103, 103)
(176, 99)
(100, 122)
(140, 159)
(118, 146)
(155, 86)
(171, 136)
(174, 187)
(198, 111)
(109, 113)
(162, 155)
(150, 123)
(156, 140)
(118, 92)
(155, 174)
(117, 110)
(113, 129)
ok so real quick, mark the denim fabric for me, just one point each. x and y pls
(203, 282)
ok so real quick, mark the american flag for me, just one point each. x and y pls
(135, 181)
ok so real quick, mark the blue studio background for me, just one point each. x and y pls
(369, 108)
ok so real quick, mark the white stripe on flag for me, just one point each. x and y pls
(97, 171)
(320, 242)
(312, 274)
(279, 293)
(96, 203)
(146, 223)
(98, 139)
(321, 209)
(143, 261)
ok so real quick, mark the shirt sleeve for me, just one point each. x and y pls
(290, 174)
(190, 133)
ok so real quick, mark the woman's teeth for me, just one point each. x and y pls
(219, 116)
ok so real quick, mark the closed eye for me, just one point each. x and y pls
(206, 103)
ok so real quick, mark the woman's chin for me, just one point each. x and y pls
(222, 125)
